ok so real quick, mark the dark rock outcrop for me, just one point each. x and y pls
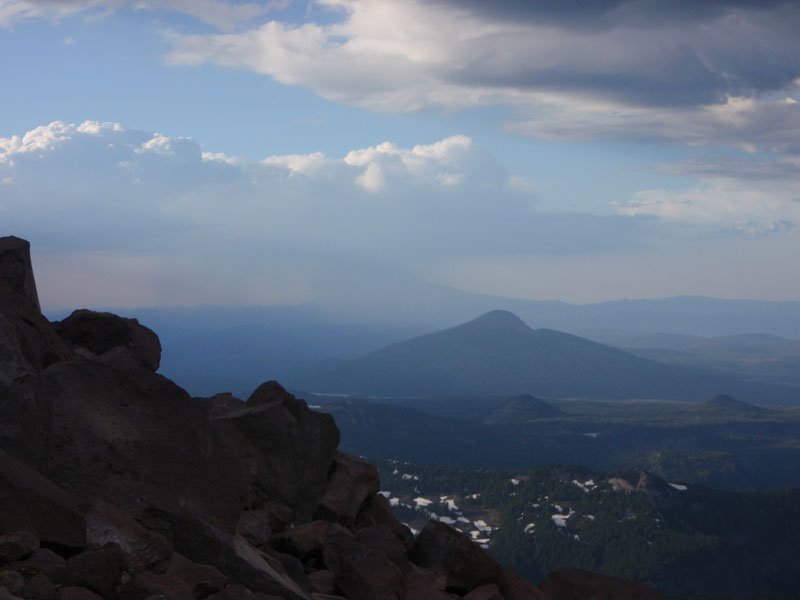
(32, 503)
(114, 483)
(117, 341)
(575, 584)
(287, 449)
(444, 548)
(16, 271)
(352, 483)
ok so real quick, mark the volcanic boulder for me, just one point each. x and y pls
(123, 343)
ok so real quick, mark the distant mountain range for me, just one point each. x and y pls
(234, 348)
(751, 356)
(498, 354)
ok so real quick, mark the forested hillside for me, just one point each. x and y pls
(687, 541)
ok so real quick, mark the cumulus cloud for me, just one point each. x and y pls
(125, 216)
(136, 199)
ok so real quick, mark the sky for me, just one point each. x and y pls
(186, 152)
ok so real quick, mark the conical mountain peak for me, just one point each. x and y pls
(499, 318)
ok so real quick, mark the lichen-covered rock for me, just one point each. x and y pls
(106, 524)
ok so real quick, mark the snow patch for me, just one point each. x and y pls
(420, 501)
(529, 527)
(481, 525)
(561, 520)
(679, 487)
(586, 486)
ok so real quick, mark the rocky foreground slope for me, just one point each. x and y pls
(115, 483)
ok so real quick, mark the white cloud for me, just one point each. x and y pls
(685, 81)
(47, 137)
(634, 71)
(750, 210)
(372, 178)
(751, 195)
(114, 194)
(220, 13)
(18, 11)
(164, 213)
(159, 144)
(224, 15)
(298, 163)
(221, 157)
(767, 125)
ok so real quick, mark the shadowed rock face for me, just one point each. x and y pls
(27, 341)
(115, 483)
(16, 271)
(123, 343)
(286, 449)
(575, 584)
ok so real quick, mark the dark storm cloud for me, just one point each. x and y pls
(603, 14)
(654, 53)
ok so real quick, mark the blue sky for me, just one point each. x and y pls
(619, 149)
